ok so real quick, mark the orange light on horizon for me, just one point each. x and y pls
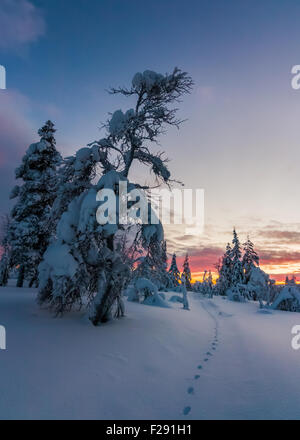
(275, 270)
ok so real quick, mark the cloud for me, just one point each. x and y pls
(207, 93)
(16, 133)
(281, 236)
(277, 243)
(276, 257)
(202, 258)
(21, 23)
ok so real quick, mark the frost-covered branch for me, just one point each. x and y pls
(130, 134)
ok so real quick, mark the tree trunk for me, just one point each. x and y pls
(33, 281)
(112, 293)
(102, 310)
(21, 274)
(4, 275)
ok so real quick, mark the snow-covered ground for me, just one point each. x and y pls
(218, 360)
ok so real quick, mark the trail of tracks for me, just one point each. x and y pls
(214, 312)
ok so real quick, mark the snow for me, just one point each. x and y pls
(59, 261)
(110, 179)
(119, 122)
(219, 360)
(148, 79)
(289, 292)
(156, 300)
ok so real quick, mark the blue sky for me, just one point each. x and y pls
(241, 140)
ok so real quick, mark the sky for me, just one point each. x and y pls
(241, 138)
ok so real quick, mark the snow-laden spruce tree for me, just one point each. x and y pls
(225, 272)
(286, 298)
(163, 266)
(209, 283)
(206, 286)
(258, 285)
(157, 253)
(186, 273)
(185, 302)
(236, 289)
(174, 272)
(74, 177)
(28, 233)
(236, 254)
(250, 259)
(153, 265)
(4, 243)
(84, 264)
(144, 268)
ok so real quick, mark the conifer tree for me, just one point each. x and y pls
(144, 269)
(237, 267)
(5, 258)
(96, 271)
(185, 301)
(186, 273)
(250, 259)
(159, 261)
(210, 283)
(225, 272)
(28, 232)
(153, 266)
(75, 176)
(174, 272)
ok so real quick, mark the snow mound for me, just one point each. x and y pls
(176, 298)
(156, 300)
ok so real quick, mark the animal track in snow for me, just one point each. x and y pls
(214, 313)
(186, 410)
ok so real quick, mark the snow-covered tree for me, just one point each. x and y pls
(225, 272)
(144, 268)
(185, 301)
(4, 243)
(186, 273)
(163, 266)
(159, 260)
(250, 259)
(236, 254)
(28, 232)
(84, 262)
(143, 289)
(74, 177)
(287, 298)
(153, 265)
(258, 285)
(174, 272)
(240, 278)
(206, 286)
(210, 284)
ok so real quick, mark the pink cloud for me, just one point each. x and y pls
(16, 133)
(20, 23)
(15, 128)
